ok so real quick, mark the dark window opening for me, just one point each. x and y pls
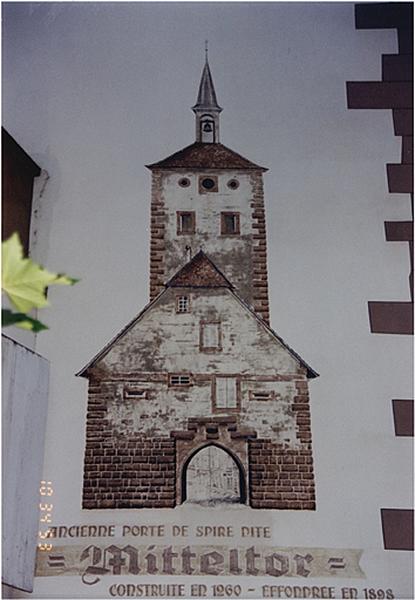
(230, 223)
(186, 222)
(208, 183)
(233, 184)
(182, 304)
(178, 380)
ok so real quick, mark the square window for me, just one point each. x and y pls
(230, 223)
(186, 222)
(210, 337)
(182, 304)
(226, 393)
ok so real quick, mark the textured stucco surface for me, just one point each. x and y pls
(232, 254)
(165, 341)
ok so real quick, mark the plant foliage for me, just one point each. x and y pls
(25, 284)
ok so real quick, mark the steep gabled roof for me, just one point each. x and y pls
(200, 271)
(205, 156)
(204, 274)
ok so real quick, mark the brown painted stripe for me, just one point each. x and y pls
(397, 67)
(403, 417)
(397, 528)
(407, 149)
(375, 94)
(406, 40)
(403, 121)
(400, 178)
(391, 317)
(383, 15)
(399, 231)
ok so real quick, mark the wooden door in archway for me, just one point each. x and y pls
(212, 476)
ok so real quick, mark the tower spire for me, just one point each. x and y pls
(207, 108)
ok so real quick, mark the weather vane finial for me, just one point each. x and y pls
(206, 49)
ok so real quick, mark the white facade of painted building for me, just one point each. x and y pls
(326, 200)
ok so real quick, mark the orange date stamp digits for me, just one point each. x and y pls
(46, 508)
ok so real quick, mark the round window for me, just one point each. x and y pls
(208, 183)
(184, 182)
(233, 184)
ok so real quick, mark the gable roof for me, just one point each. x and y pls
(205, 274)
(200, 271)
(205, 156)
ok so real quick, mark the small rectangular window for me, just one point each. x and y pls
(182, 304)
(226, 393)
(134, 393)
(230, 223)
(210, 336)
(178, 380)
(261, 395)
(186, 222)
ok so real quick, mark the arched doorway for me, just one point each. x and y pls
(213, 475)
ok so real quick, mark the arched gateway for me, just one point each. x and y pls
(213, 475)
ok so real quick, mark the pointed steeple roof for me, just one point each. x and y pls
(200, 271)
(206, 98)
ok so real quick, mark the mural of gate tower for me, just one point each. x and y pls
(197, 399)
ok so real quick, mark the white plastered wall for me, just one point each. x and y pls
(92, 109)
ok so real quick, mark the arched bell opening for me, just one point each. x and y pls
(207, 132)
(211, 475)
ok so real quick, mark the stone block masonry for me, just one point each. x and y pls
(259, 249)
(127, 467)
(137, 471)
(282, 477)
(157, 232)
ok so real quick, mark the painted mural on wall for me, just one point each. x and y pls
(198, 400)
(213, 477)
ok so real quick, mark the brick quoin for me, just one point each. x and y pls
(157, 236)
(259, 249)
(282, 477)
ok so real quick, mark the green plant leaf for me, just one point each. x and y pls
(23, 280)
(65, 280)
(20, 320)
